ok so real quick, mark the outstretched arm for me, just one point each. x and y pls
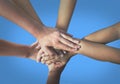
(43, 34)
(105, 35)
(91, 46)
(18, 16)
(99, 51)
(26, 7)
(54, 74)
(56, 66)
(65, 13)
(12, 49)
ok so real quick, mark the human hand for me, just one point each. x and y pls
(57, 39)
(33, 51)
(58, 62)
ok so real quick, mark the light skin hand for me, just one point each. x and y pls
(23, 7)
(56, 66)
(12, 49)
(41, 52)
(57, 39)
(58, 62)
(37, 29)
(33, 51)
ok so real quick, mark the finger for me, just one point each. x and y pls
(47, 58)
(35, 44)
(38, 47)
(49, 51)
(70, 38)
(69, 43)
(59, 52)
(43, 61)
(64, 53)
(65, 47)
(58, 64)
(39, 55)
(49, 62)
(67, 34)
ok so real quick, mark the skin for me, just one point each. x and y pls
(13, 49)
(92, 41)
(94, 44)
(24, 5)
(21, 6)
(42, 33)
(65, 12)
(32, 51)
(56, 67)
(107, 53)
(96, 50)
(105, 35)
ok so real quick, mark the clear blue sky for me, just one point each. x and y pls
(89, 16)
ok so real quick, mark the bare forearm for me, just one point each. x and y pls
(54, 77)
(100, 51)
(12, 49)
(65, 13)
(14, 14)
(26, 7)
(105, 35)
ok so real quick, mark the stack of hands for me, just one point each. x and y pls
(53, 44)
(56, 58)
(54, 47)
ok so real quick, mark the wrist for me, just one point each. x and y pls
(42, 32)
(54, 77)
(64, 29)
(38, 30)
(26, 51)
(57, 70)
(81, 44)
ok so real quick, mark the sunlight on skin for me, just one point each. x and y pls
(57, 62)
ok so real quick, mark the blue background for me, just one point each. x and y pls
(89, 16)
